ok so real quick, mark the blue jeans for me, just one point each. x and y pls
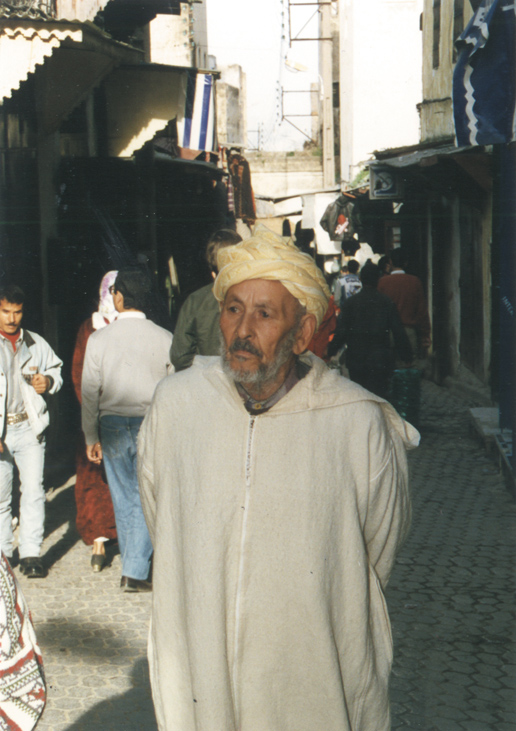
(118, 436)
(22, 447)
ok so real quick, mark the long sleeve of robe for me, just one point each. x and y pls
(274, 538)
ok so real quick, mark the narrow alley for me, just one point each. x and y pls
(451, 600)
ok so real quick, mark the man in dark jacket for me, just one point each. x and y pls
(197, 329)
(365, 325)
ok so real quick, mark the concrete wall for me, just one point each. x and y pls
(200, 35)
(167, 39)
(278, 174)
(231, 107)
(380, 78)
(179, 40)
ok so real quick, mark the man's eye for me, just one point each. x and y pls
(233, 308)
(263, 313)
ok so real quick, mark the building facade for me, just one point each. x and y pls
(380, 53)
(108, 154)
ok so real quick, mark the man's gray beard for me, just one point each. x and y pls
(265, 373)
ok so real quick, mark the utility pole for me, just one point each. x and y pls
(326, 68)
(325, 40)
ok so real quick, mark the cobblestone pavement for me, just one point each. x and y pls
(451, 595)
(451, 600)
(92, 635)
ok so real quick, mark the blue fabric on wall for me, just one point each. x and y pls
(484, 79)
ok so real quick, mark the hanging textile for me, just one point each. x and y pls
(484, 79)
(240, 181)
(196, 129)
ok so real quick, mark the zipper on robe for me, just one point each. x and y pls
(248, 457)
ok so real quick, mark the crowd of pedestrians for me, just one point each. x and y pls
(210, 482)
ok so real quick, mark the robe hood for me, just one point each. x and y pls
(321, 388)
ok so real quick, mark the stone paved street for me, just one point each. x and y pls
(451, 599)
(93, 636)
(451, 595)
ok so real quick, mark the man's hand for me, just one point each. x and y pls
(1, 446)
(40, 383)
(94, 452)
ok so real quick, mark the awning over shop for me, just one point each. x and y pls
(426, 156)
(473, 160)
(68, 59)
(141, 101)
(23, 47)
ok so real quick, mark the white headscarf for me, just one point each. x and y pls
(106, 312)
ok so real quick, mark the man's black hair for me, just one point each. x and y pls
(383, 263)
(370, 274)
(399, 258)
(135, 285)
(353, 266)
(12, 293)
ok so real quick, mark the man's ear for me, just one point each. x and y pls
(305, 333)
(118, 301)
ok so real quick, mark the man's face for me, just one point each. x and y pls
(10, 317)
(259, 319)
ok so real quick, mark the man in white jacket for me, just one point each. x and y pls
(29, 368)
(276, 497)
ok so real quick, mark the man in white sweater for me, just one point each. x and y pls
(122, 365)
(276, 497)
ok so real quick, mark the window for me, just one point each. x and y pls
(437, 33)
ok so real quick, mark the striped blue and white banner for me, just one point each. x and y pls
(484, 78)
(196, 129)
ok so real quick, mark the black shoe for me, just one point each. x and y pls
(134, 585)
(97, 562)
(32, 568)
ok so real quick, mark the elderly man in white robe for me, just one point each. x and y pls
(276, 497)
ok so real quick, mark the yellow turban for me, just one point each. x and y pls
(268, 256)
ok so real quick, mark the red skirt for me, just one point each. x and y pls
(95, 515)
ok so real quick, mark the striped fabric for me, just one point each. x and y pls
(484, 79)
(196, 130)
(22, 683)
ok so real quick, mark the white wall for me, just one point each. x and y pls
(380, 77)
(179, 40)
(200, 29)
(79, 9)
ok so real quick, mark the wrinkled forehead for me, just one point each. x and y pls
(263, 291)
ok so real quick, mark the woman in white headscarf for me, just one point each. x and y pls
(95, 517)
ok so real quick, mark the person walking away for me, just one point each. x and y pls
(197, 328)
(122, 365)
(95, 518)
(272, 545)
(366, 324)
(384, 265)
(406, 291)
(350, 283)
(29, 369)
(337, 284)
